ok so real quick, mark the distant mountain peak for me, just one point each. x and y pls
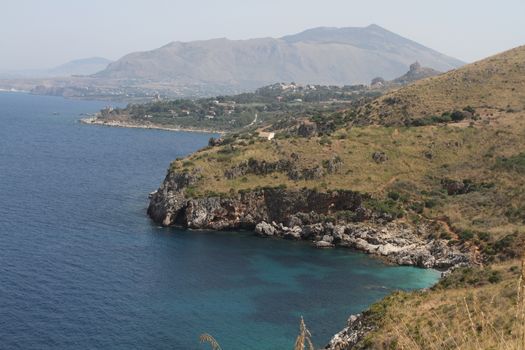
(322, 55)
(375, 26)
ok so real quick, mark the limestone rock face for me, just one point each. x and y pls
(298, 215)
(170, 206)
(265, 229)
(169, 199)
(358, 326)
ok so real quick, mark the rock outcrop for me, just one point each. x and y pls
(303, 215)
(358, 326)
(169, 206)
(398, 243)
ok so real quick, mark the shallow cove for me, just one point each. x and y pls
(81, 266)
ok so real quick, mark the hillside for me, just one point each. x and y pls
(277, 104)
(83, 66)
(491, 86)
(443, 192)
(326, 56)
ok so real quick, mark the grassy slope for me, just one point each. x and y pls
(458, 152)
(474, 311)
(493, 84)
(471, 309)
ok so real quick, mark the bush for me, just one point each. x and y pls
(430, 203)
(417, 207)
(484, 236)
(465, 235)
(346, 215)
(387, 207)
(495, 277)
(513, 163)
(394, 195)
(469, 276)
(458, 116)
(325, 140)
(469, 109)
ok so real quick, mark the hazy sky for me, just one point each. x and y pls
(46, 33)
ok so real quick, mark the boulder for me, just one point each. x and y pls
(307, 129)
(379, 157)
(265, 229)
(323, 244)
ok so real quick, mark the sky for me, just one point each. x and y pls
(45, 33)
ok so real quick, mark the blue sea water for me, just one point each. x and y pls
(82, 267)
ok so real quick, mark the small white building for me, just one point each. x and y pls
(267, 135)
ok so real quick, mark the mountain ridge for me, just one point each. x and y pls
(494, 84)
(323, 55)
(81, 66)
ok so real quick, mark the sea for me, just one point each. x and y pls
(83, 267)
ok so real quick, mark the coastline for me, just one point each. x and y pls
(394, 242)
(121, 124)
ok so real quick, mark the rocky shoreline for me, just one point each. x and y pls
(123, 124)
(302, 215)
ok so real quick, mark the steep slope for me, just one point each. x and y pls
(84, 66)
(326, 56)
(491, 86)
(443, 194)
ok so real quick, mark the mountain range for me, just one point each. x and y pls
(324, 56)
(83, 66)
(328, 56)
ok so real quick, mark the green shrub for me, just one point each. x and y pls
(466, 235)
(394, 195)
(469, 109)
(469, 276)
(484, 236)
(457, 116)
(417, 207)
(430, 203)
(385, 207)
(513, 163)
(325, 140)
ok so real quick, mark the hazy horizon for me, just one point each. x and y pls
(40, 35)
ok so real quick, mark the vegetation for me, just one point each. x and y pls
(472, 308)
(277, 104)
(206, 338)
(491, 87)
(303, 341)
(513, 163)
(421, 162)
(448, 150)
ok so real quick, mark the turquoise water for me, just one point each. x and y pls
(82, 267)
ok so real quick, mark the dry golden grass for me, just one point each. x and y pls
(457, 152)
(490, 316)
(304, 339)
(473, 312)
(206, 338)
(490, 85)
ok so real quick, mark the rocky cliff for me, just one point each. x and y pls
(336, 218)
